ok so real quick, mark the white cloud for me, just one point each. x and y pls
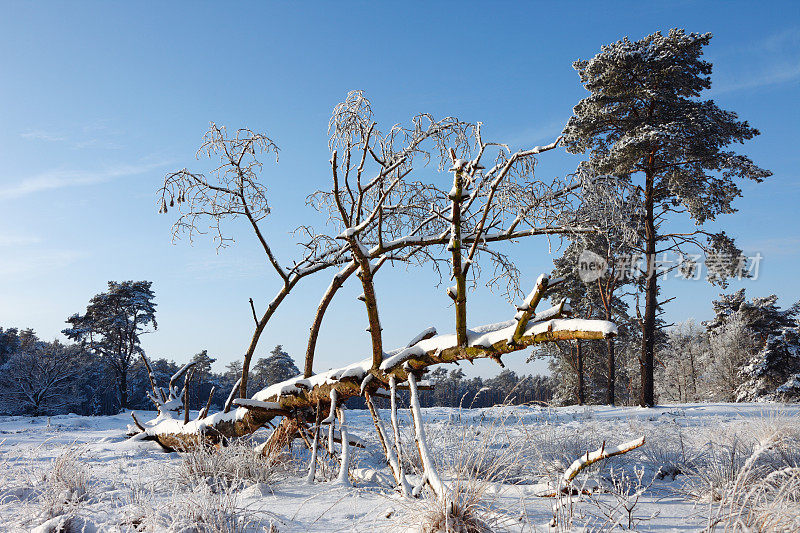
(774, 60)
(773, 75)
(224, 268)
(8, 238)
(39, 135)
(772, 246)
(96, 134)
(59, 179)
(542, 133)
(25, 265)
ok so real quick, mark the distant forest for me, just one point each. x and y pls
(750, 351)
(46, 378)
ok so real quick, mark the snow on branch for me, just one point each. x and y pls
(256, 404)
(598, 455)
(426, 334)
(231, 396)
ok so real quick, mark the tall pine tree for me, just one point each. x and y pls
(278, 366)
(644, 120)
(111, 327)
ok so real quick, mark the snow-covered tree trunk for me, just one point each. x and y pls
(344, 465)
(335, 386)
(388, 448)
(429, 473)
(459, 292)
(406, 490)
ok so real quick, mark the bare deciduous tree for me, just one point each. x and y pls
(379, 215)
(41, 378)
(233, 189)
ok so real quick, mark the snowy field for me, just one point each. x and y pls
(701, 463)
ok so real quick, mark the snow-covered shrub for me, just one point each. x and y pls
(669, 452)
(478, 459)
(481, 460)
(54, 498)
(202, 510)
(235, 465)
(764, 495)
(771, 373)
(750, 475)
(473, 502)
(65, 486)
(461, 512)
(770, 504)
(68, 523)
(754, 347)
(15, 472)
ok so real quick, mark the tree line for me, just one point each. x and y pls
(103, 371)
(749, 351)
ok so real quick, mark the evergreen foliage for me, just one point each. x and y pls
(111, 326)
(278, 366)
(644, 119)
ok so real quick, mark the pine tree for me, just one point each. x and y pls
(761, 339)
(111, 326)
(202, 365)
(200, 385)
(9, 343)
(279, 366)
(761, 315)
(644, 119)
(774, 373)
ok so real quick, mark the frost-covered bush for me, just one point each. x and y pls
(620, 509)
(750, 473)
(670, 451)
(770, 504)
(54, 498)
(65, 486)
(202, 510)
(462, 512)
(235, 465)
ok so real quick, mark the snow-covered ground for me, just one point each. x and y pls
(499, 461)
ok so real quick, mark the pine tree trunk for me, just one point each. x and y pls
(123, 390)
(579, 356)
(647, 396)
(612, 378)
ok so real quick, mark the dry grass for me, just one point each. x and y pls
(200, 511)
(50, 498)
(66, 486)
(234, 466)
(477, 462)
(750, 476)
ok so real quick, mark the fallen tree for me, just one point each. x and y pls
(381, 219)
(299, 397)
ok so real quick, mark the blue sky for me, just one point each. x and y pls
(99, 100)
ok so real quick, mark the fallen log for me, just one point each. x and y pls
(299, 396)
